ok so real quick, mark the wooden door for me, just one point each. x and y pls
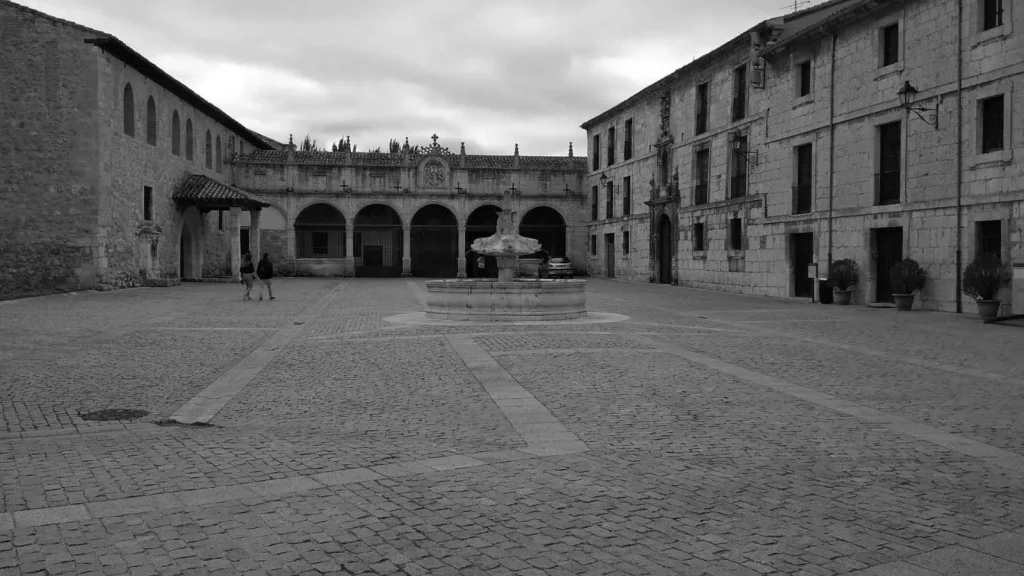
(889, 247)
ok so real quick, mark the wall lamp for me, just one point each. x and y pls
(739, 148)
(907, 96)
(604, 178)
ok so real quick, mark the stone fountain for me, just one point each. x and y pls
(508, 299)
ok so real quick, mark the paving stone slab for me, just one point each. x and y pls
(351, 476)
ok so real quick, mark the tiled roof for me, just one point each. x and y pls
(274, 144)
(799, 24)
(204, 190)
(472, 161)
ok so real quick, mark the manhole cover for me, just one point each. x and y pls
(113, 414)
(177, 424)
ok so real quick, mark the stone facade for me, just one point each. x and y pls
(941, 175)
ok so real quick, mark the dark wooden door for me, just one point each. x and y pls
(243, 237)
(889, 247)
(665, 251)
(609, 255)
(802, 246)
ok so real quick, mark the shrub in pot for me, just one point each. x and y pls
(905, 278)
(842, 275)
(983, 278)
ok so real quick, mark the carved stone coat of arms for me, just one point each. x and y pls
(434, 174)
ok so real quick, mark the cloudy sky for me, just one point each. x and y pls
(489, 73)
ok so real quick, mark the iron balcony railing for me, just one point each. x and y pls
(802, 194)
(887, 185)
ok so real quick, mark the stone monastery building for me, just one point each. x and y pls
(748, 170)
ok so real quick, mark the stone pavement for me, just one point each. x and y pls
(705, 434)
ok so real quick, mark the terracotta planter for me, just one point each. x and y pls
(841, 297)
(988, 309)
(904, 302)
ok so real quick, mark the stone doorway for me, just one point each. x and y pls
(801, 248)
(434, 243)
(665, 250)
(185, 268)
(888, 247)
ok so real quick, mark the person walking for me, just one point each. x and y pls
(247, 271)
(264, 273)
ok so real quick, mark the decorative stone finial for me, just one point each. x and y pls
(290, 141)
(517, 149)
(434, 138)
(570, 149)
(462, 150)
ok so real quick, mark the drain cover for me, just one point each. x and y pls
(177, 424)
(113, 414)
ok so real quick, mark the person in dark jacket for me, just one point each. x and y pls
(265, 272)
(247, 270)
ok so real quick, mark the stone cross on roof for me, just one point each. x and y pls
(434, 138)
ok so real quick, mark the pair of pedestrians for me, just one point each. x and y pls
(262, 273)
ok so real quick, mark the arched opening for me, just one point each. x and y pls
(209, 149)
(482, 222)
(665, 250)
(189, 140)
(377, 242)
(320, 233)
(218, 152)
(546, 226)
(185, 265)
(151, 121)
(129, 110)
(175, 134)
(434, 242)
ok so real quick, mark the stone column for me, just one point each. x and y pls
(568, 242)
(350, 246)
(406, 250)
(254, 234)
(235, 242)
(462, 252)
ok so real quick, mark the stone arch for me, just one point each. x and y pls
(129, 110)
(546, 225)
(151, 121)
(320, 232)
(209, 149)
(175, 134)
(190, 249)
(481, 223)
(217, 151)
(427, 203)
(434, 241)
(665, 247)
(401, 217)
(377, 240)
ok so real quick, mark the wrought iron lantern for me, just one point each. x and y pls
(739, 148)
(907, 95)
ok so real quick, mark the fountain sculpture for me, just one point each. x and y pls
(508, 298)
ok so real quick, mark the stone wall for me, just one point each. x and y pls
(48, 164)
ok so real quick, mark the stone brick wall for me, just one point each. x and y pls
(48, 161)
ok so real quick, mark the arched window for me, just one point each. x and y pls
(151, 121)
(218, 154)
(175, 134)
(129, 110)
(209, 149)
(189, 140)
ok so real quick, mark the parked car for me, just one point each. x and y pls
(557, 268)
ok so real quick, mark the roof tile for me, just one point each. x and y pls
(204, 189)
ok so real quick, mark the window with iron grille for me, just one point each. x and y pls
(887, 181)
(609, 200)
(804, 78)
(593, 203)
(739, 98)
(890, 44)
(702, 177)
(597, 151)
(992, 14)
(698, 237)
(990, 238)
(147, 202)
(992, 124)
(735, 234)
(738, 182)
(702, 109)
(593, 244)
(627, 150)
(803, 190)
(627, 196)
(625, 242)
(611, 146)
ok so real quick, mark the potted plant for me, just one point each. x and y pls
(842, 274)
(905, 278)
(982, 280)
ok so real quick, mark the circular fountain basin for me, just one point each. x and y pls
(485, 300)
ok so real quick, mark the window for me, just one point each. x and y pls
(129, 110)
(189, 140)
(151, 121)
(698, 237)
(739, 93)
(991, 14)
(147, 203)
(625, 242)
(611, 146)
(989, 234)
(701, 108)
(597, 151)
(803, 79)
(890, 44)
(702, 177)
(803, 190)
(593, 244)
(218, 152)
(593, 203)
(887, 181)
(241, 147)
(209, 149)
(735, 234)
(175, 134)
(220, 219)
(627, 149)
(627, 196)
(992, 124)
(609, 200)
(738, 182)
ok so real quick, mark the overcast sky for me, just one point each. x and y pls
(489, 73)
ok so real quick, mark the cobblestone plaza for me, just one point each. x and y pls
(705, 433)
